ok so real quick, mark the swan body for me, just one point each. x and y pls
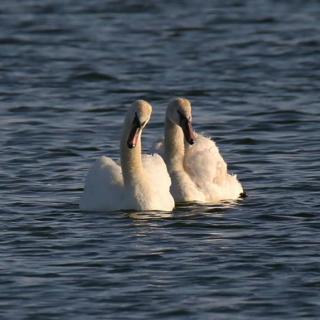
(140, 182)
(196, 167)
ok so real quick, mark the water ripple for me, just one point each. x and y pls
(69, 70)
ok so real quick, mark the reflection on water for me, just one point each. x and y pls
(149, 215)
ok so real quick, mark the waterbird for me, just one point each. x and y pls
(196, 167)
(140, 182)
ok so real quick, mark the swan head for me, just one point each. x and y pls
(179, 112)
(137, 118)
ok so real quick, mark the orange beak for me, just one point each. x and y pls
(133, 137)
(134, 133)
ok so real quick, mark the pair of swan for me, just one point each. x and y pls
(192, 170)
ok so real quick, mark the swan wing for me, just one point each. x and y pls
(103, 186)
(208, 170)
(203, 161)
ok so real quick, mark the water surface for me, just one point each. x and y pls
(68, 72)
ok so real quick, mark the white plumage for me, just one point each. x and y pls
(141, 182)
(197, 169)
(208, 171)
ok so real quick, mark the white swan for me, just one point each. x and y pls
(141, 183)
(197, 170)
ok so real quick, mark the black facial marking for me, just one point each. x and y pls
(186, 126)
(136, 121)
(181, 115)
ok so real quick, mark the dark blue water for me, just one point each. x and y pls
(69, 70)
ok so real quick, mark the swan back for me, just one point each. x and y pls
(103, 187)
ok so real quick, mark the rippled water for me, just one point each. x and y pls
(68, 71)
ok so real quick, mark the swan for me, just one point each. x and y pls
(141, 183)
(197, 169)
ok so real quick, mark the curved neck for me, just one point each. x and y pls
(131, 162)
(174, 148)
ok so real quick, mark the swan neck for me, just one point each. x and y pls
(173, 145)
(131, 161)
